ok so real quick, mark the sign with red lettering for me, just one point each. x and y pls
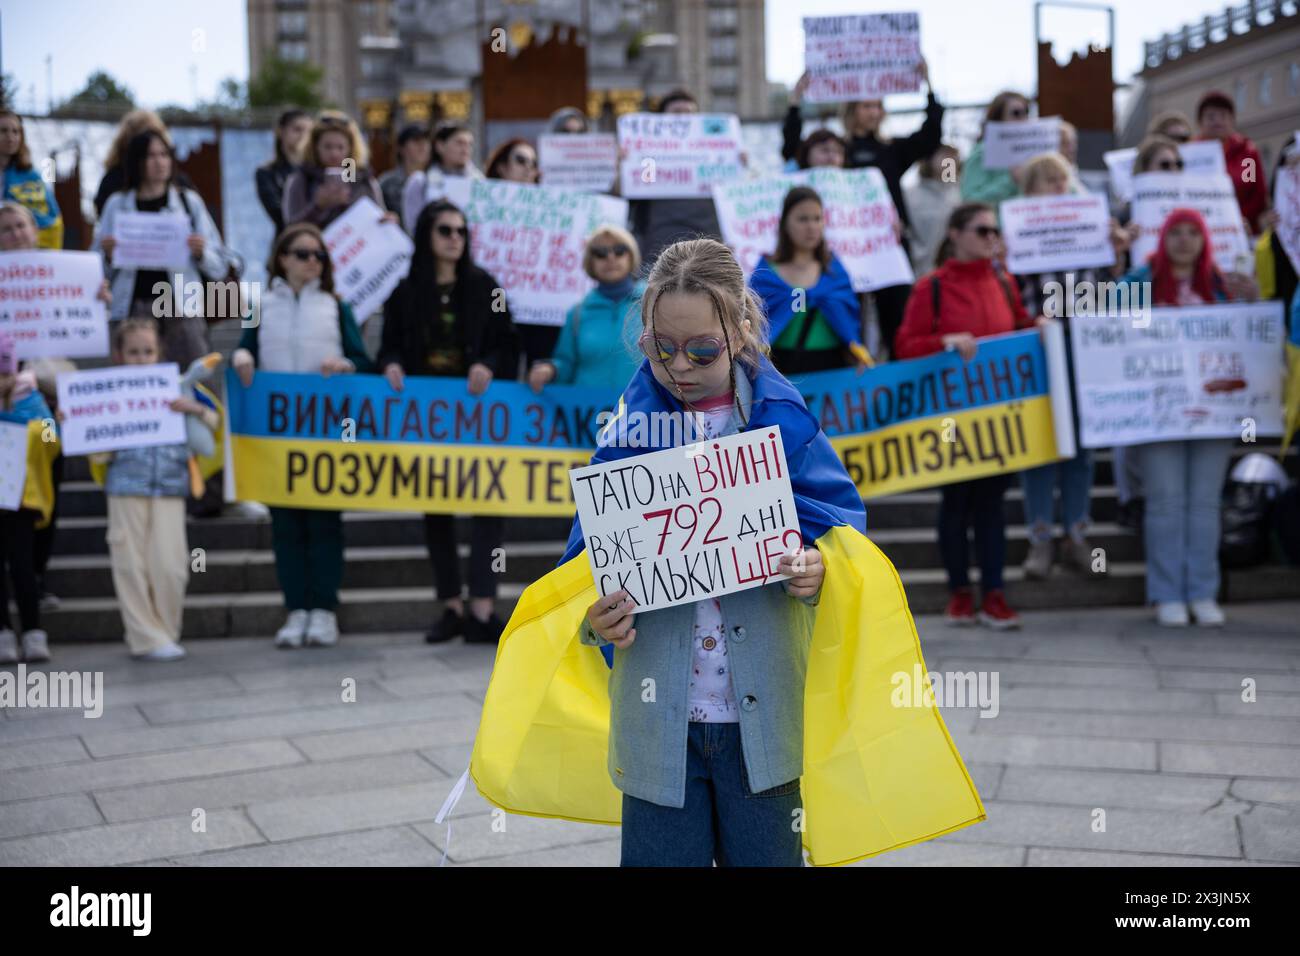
(677, 155)
(370, 257)
(861, 222)
(700, 520)
(1156, 195)
(1053, 233)
(861, 57)
(125, 406)
(49, 303)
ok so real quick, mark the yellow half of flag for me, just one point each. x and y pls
(877, 776)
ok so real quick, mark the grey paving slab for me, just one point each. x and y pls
(117, 843)
(1062, 751)
(1238, 661)
(63, 724)
(48, 814)
(89, 775)
(1236, 760)
(294, 698)
(603, 853)
(1143, 700)
(503, 835)
(1265, 705)
(39, 753)
(390, 846)
(237, 789)
(1109, 788)
(1271, 834)
(1191, 678)
(1186, 727)
(1277, 792)
(1082, 858)
(395, 737)
(442, 681)
(358, 810)
(944, 853)
(1039, 673)
(1153, 831)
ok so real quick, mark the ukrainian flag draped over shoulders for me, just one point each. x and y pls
(876, 777)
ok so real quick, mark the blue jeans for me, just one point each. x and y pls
(1184, 493)
(722, 820)
(1039, 484)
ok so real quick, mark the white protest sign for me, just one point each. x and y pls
(530, 238)
(1156, 195)
(674, 526)
(13, 464)
(125, 406)
(861, 56)
(1010, 144)
(857, 208)
(150, 240)
(1286, 200)
(586, 161)
(1199, 159)
(1056, 233)
(678, 155)
(1197, 372)
(49, 303)
(370, 257)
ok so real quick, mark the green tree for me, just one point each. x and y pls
(101, 91)
(281, 83)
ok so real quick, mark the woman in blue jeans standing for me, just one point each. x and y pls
(1184, 479)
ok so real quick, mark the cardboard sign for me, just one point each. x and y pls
(1010, 144)
(151, 240)
(1056, 233)
(678, 525)
(13, 464)
(370, 257)
(585, 161)
(1156, 195)
(1199, 372)
(859, 215)
(125, 406)
(531, 238)
(861, 56)
(49, 303)
(1286, 199)
(678, 155)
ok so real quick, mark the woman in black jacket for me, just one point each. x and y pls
(446, 319)
(865, 146)
(292, 129)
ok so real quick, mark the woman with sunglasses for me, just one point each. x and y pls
(334, 174)
(444, 319)
(1184, 478)
(594, 347)
(962, 301)
(980, 184)
(825, 331)
(515, 161)
(301, 325)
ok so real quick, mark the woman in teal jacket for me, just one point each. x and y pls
(978, 183)
(595, 347)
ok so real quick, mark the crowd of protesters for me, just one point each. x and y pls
(440, 322)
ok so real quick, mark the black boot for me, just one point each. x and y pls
(483, 632)
(448, 626)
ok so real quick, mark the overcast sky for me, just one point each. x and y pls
(177, 51)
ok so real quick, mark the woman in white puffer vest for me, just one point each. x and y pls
(302, 326)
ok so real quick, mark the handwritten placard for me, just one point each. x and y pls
(586, 161)
(1050, 233)
(125, 406)
(1010, 144)
(678, 525)
(13, 464)
(1286, 199)
(150, 240)
(370, 257)
(1199, 159)
(1211, 371)
(49, 303)
(861, 56)
(678, 155)
(1156, 195)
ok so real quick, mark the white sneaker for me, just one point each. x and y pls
(295, 628)
(36, 647)
(253, 510)
(168, 652)
(8, 647)
(1171, 613)
(1208, 613)
(322, 628)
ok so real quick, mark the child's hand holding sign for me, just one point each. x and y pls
(804, 565)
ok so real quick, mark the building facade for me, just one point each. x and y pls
(1251, 52)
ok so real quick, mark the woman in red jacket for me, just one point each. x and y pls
(972, 300)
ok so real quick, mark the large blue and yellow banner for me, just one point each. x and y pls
(350, 442)
(929, 421)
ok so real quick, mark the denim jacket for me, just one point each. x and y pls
(159, 471)
(768, 636)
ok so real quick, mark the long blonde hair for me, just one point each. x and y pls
(707, 267)
(133, 124)
(333, 121)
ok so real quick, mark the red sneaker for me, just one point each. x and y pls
(961, 608)
(996, 614)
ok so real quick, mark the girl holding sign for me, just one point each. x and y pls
(709, 727)
(302, 326)
(449, 318)
(1184, 478)
(979, 184)
(814, 313)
